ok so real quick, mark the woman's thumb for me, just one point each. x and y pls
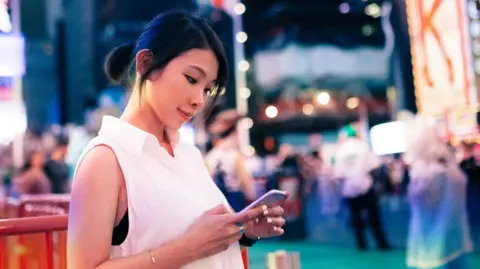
(219, 209)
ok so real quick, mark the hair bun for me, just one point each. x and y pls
(118, 62)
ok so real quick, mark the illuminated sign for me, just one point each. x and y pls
(473, 7)
(5, 20)
(5, 88)
(441, 56)
(12, 55)
(14, 124)
(388, 138)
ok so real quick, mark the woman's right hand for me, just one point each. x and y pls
(216, 229)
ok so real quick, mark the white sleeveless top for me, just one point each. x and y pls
(165, 194)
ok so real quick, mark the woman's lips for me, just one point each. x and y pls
(186, 116)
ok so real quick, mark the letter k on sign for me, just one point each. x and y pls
(427, 26)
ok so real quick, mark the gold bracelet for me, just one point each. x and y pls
(152, 257)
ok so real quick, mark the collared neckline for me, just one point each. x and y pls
(135, 139)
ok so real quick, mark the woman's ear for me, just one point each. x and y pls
(143, 60)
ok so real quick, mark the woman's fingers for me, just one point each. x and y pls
(276, 231)
(277, 222)
(274, 212)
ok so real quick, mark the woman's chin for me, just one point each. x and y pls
(176, 125)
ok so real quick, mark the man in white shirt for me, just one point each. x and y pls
(355, 164)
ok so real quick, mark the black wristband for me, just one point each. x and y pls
(246, 242)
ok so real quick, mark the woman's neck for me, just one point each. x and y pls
(142, 116)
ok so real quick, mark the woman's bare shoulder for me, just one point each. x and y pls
(99, 166)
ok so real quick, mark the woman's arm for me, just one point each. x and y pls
(170, 256)
(44, 183)
(245, 178)
(92, 215)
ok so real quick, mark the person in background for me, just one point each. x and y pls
(356, 165)
(56, 169)
(439, 236)
(141, 198)
(288, 178)
(396, 181)
(310, 166)
(470, 165)
(32, 140)
(317, 170)
(315, 142)
(398, 174)
(31, 179)
(6, 169)
(276, 157)
(271, 147)
(226, 162)
(49, 141)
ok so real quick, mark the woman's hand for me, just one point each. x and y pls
(268, 225)
(216, 229)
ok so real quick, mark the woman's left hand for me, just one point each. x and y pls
(269, 225)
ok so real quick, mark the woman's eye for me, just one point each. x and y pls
(190, 79)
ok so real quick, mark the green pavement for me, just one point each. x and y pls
(319, 256)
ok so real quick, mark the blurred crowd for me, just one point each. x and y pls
(49, 160)
(440, 182)
(43, 162)
(437, 181)
(43, 168)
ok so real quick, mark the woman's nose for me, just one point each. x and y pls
(198, 101)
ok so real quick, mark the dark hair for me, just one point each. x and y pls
(167, 36)
(62, 140)
(214, 111)
(91, 103)
(290, 167)
(230, 130)
(29, 158)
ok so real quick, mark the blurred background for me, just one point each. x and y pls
(301, 70)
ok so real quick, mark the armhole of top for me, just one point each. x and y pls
(120, 231)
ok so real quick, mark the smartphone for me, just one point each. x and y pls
(269, 199)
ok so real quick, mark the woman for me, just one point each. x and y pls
(32, 178)
(439, 236)
(227, 164)
(140, 199)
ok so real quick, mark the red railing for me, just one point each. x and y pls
(34, 235)
(33, 242)
(33, 232)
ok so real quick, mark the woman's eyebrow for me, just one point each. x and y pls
(199, 69)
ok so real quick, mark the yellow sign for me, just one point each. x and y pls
(440, 54)
(441, 57)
